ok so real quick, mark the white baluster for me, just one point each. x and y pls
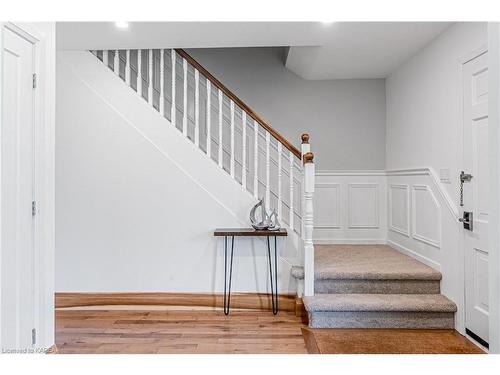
(255, 159)
(232, 139)
(150, 75)
(220, 129)
(139, 72)
(291, 191)
(196, 107)
(116, 63)
(105, 57)
(172, 109)
(209, 120)
(309, 224)
(127, 67)
(244, 152)
(162, 83)
(268, 170)
(185, 97)
(280, 201)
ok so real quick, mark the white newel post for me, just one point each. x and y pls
(305, 147)
(308, 223)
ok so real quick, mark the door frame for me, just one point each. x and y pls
(43, 120)
(494, 240)
(461, 318)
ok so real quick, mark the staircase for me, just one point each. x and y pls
(229, 135)
(375, 286)
(344, 286)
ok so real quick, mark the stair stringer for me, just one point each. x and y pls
(165, 138)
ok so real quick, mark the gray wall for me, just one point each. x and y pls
(345, 118)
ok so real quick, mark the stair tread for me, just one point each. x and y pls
(369, 262)
(379, 302)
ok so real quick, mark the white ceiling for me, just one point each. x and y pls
(362, 49)
(317, 50)
(105, 35)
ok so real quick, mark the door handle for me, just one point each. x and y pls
(467, 220)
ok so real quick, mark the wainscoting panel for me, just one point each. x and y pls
(426, 216)
(363, 206)
(350, 207)
(399, 208)
(327, 213)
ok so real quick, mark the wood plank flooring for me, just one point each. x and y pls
(178, 330)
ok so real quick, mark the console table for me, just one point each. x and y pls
(250, 232)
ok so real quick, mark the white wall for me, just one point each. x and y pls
(424, 129)
(137, 203)
(424, 101)
(345, 118)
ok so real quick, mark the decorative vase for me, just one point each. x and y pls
(274, 223)
(264, 221)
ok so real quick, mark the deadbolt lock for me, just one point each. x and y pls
(467, 220)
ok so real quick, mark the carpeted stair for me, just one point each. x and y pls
(374, 286)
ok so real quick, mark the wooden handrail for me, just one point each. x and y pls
(239, 102)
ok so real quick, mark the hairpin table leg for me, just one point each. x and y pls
(274, 284)
(227, 288)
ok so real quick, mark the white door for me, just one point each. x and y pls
(17, 191)
(476, 195)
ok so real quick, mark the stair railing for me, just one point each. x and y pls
(221, 125)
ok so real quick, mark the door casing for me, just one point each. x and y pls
(43, 242)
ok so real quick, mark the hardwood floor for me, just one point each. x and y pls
(179, 330)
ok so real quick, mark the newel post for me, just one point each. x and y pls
(307, 218)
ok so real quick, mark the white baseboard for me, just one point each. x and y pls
(350, 241)
(411, 253)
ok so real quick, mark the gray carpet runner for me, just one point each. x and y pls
(374, 286)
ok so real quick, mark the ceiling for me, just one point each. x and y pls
(338, 50)
(105, 35)
(362, 49)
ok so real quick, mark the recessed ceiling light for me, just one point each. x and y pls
(121, 24)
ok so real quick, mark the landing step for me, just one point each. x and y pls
(380, 311)
(369, 262)
(371, 269)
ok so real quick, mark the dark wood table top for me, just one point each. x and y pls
(249, 232)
